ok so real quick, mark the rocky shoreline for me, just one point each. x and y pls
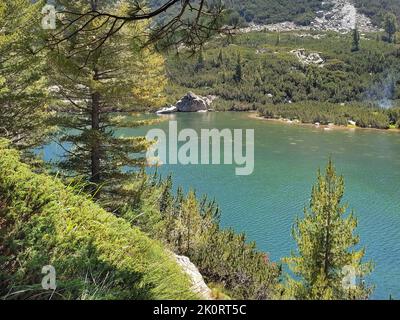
(190, 103)
(330, 127)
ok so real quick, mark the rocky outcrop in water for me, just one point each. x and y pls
(193, 103)
(190, 103)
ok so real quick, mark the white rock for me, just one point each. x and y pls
(167, 110)
(198, 284)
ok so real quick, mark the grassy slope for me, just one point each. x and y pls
(96, 255)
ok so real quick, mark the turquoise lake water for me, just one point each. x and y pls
(266, 203)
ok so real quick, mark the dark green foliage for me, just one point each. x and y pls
(302, 12)
(327, 247)
(23, 85)
(271, 74)
(356, 40)
(94, 84)
(238, 76)
(96, 255)
(376, 9)
(241, 12)
(191, 227)
(325, 113)
(394, 117)
(391, 27)
(200, 62)
(273, 11)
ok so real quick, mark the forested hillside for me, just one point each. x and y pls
(263, 11)
(258, 70)
(272, 11)
(299, 11)
(96, 255)
(376, 9)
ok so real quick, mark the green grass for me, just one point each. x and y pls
(96, 255)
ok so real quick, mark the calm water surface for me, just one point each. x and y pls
(266, 203)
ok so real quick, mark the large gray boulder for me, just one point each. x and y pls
(193, 103)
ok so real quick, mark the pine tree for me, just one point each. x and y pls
(187, 224)
(326, 241)
(166, 201)
(23, 88)
(356, 40)
(391, 26)
(238, 76)
(278, 39)
(220, 58)
(92, 85)
(200, 62)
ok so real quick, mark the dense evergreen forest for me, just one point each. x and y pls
(242, 13)
(260, 71)
(376, 10)
(265, 11)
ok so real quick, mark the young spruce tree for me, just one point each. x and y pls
(356, 40)
(326, 264)
(391, 27)
(238, 75)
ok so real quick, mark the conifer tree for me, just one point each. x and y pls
(356, 40)
(23, 87)
(92, 85)
(200, 62)
(326, 257)
(278, 39)
(220, 58)
(391, 26)
(166, 201)
(187, 224)
(238, 76)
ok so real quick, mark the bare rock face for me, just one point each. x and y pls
(342, 17)
(193, 103)
(198, 284)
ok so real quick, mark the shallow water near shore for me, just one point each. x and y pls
(266, 203)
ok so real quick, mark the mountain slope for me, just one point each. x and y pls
(95, 254)
(376, 9)
(264, 11)
(301, 12)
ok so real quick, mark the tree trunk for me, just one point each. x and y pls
(95, 143)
